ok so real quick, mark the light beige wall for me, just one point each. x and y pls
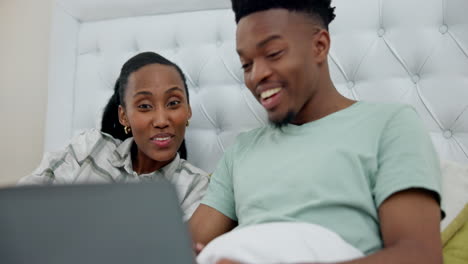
(24, 48)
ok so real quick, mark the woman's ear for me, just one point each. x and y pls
(189, 112)
(123, 120)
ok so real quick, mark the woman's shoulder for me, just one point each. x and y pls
(93, 135)
(192, 169)
(88, 141)
(62, 166)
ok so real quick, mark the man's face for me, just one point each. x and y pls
(276, 51)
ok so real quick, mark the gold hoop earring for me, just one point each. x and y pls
(127, 130)
(188, 123)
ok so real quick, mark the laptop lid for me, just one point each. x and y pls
(111, 223)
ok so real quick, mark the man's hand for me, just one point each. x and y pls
(198, 247)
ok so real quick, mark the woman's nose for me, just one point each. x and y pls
(160, 119)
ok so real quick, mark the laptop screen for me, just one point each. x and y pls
(111, 223)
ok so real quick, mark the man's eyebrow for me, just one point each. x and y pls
(263, 42)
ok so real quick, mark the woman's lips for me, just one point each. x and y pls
(162, 140)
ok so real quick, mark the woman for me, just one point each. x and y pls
(143, 128)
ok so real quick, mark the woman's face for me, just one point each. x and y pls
(157, 110)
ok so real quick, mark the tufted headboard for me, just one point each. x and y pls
(415, 52)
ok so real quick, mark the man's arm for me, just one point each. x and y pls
(208, 223)
(410, 227)
(409, 219)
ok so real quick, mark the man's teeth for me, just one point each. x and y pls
(162, 139)
(269, 93)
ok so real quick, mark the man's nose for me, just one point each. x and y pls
(260, 72)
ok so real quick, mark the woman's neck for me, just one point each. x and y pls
(143, 164)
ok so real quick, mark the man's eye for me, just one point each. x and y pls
(246, 66)
(274, 55)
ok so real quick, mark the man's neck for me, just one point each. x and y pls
(324, 102)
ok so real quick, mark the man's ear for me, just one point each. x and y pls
(322, 46)
(123, 120)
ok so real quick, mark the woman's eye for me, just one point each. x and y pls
(144, 106)
(173, 103)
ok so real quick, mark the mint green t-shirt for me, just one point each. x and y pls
(334, 172)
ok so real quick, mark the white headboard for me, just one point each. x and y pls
(414, 52)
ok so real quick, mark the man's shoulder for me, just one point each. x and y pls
(245, 140)
(384, 112)
(384, 108)
(250, 136)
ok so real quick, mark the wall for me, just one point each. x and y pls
(24, 50)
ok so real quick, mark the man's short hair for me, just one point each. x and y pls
(320, 9)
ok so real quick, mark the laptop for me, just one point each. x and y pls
(110, 223)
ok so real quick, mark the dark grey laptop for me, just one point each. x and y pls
(113, 223)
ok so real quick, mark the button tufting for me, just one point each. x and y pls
(136, 46)
(350, 85)
(415, 78)
(218, 131)
(219, 43)
(448, 134)
(381, 32)
(443, 29)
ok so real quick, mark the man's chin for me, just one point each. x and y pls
(280, 122)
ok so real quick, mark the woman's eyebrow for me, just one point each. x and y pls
(174, 89)
(142, 93)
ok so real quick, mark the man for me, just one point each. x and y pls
(366, 171)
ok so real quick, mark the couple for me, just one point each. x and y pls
(329, 180)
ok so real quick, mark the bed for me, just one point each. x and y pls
(414, 52)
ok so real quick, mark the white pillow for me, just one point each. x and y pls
(284, 242)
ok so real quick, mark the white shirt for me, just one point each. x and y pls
(96, 157)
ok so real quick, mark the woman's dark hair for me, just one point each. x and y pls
(315, 8)
(110, 119)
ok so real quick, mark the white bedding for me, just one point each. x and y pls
(279, 243)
